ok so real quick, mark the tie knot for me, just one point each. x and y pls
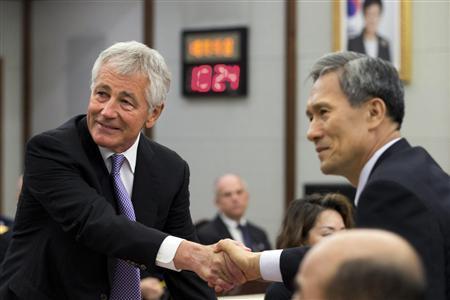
(116, 163)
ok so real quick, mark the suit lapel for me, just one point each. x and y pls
(221, 228)
(145, 184)
(96, 161)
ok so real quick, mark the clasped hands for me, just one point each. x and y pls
(231, 264)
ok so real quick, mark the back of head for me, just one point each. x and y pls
(362, 78)
(366, 279)
(364, 264)
(136, 58)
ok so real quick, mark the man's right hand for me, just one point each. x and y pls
(246, 261)
(211, 265)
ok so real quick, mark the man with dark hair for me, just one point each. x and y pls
(361, 264)
(356, 109)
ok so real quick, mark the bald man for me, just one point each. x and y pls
(361, 264)
(231, 198)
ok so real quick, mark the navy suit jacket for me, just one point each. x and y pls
(68, 232)
(216, 230)
(407, 193)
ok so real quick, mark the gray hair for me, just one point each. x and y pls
(362, 78)
(131, 58)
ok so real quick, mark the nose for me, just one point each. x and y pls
(109, 109)
(314, 131)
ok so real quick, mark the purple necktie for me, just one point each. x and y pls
(126, 278)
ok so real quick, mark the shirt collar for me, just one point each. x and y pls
(130, 155)
(232, 223)
(367, 169)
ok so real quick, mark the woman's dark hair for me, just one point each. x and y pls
(368, 3)
(302, 215)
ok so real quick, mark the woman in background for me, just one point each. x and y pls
(306, 222)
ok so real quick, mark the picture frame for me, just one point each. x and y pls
(393, 32)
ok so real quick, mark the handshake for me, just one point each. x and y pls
(223, 265)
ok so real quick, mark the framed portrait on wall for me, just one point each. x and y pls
(378, 28)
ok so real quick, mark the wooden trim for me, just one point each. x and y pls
(26, 72)
(148, 39)
(2, 167)
(290, 101)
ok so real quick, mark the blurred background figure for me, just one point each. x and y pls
(232, 201)
(369, 41)
(361, 264)
(307, 221)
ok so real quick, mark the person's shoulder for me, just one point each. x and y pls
(383, 41)
(256, 228)
(67, 133)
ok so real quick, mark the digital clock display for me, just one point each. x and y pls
(215, 62)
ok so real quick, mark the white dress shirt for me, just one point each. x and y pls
(269, 262)
(232, 226)
(169, 246)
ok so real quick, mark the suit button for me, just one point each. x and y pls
(103, 297)
(143, 267)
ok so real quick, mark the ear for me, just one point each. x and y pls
(376, 112)
(153, 116)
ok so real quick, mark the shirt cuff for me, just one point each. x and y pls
(166, 253)
(269, 265)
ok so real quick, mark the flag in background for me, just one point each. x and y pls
(354, 18)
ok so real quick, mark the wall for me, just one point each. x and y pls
(67, 37)
(218, 135)
(11, 120)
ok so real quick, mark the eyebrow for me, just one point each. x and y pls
(316, 106)
(128, 94)
(103, 86)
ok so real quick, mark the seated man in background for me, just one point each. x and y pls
(232, 201)
(361, 264)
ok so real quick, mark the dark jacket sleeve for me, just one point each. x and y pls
(289, 263)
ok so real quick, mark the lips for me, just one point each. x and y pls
(106, 126)
(320, 149)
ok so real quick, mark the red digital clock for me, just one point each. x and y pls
(215, 62)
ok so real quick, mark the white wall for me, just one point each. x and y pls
(67, 37)
(427, 115)
(217, 135)
(11, 120)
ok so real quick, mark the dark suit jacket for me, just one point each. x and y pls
(215, 230)
(67, 230)
(357, 45)
(407, 193)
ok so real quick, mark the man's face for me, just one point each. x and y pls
(118, 109)
(338, 130)
(232, 197)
